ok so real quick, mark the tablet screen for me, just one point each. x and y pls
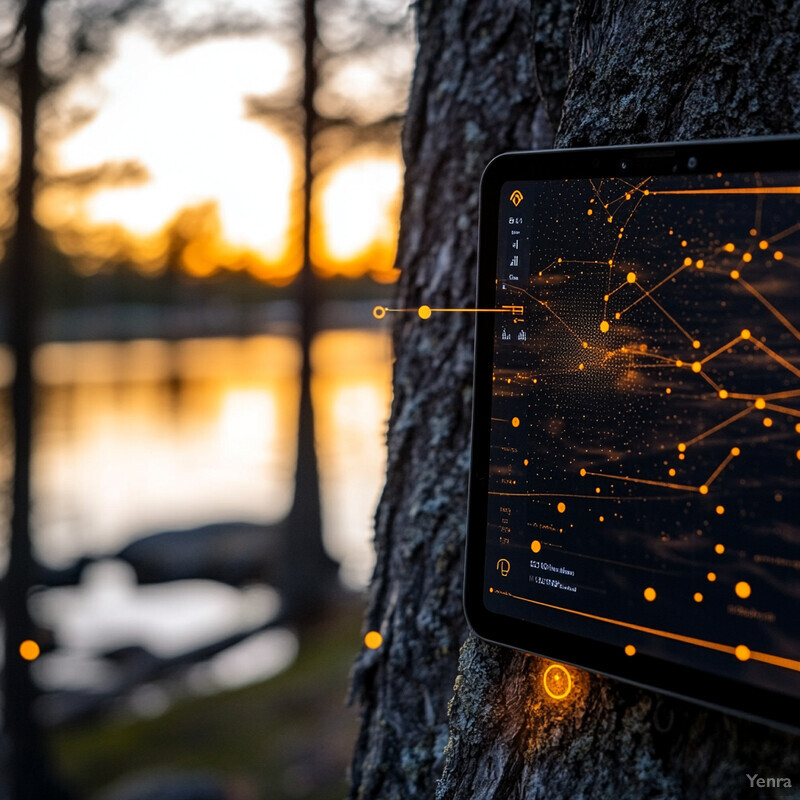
(643, 487)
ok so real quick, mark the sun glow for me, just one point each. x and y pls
(359, 205)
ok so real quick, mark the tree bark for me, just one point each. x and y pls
(490, 78)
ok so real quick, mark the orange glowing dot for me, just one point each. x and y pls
(696, 366)
(379, 312)
(424, 312)
(747, 258)
(679, 363)
(777, 255)
(29, 650)
(735, 451)
(742, 652)
(683, 243)
(698, 597)
(672, 472)
(630, 650)
(373, 640)
(649, 594)
(753, 231)
(557, 681)
(562, 507)
(605, 298)
(669, 391)
(602, 519)
(617, 315)
(767, 422)
(711, 577)
(589, 212)
(687, 262)
(723, 394)
(682, 447)
(745, 334)
(610, 262)
(735, 274)
(696, 344)
(627, 195)
(585, 344)
(631, 277)
(700, 263)
(760, 403)
(720, 510)
(604, 326)
(583, 471)
(729, 247)
(763, 244)
(647, 191)
(580, 366)
(797, 428)
(681, 456)
(703, 489)
(536, 545)
(515, 422)
(719, 549)
(525, 462)
(742, 589)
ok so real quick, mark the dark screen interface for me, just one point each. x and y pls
(644, 484)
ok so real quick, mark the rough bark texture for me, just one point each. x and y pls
(489, 78)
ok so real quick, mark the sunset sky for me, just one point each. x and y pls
(182, 116)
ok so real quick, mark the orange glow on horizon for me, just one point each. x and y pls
(212, 188)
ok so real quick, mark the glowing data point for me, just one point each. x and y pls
(763, 244)
(696, 344)
(767, 422)
(589, 212)
(687, 262)
(745, 334)
(700, 263)
(719, 549)
(747, 257)
(536, 545)
(29, 650)
(630, 650)
(515, 422)
(604, 326)
(373, 640)
(697, 366)
(379, 312)
(742, 652)
(681, 448)
(672, 472)
(583, 472)
(729, 247)
(703, 489)
(742, 589)
(631, 277)
(698, 597)
(777, 255)
(649, 594)
(557, 681)
(711, 577)
(723, 394)
(760, 403)
(735, 451)
(525, 462)
(424, 312)
(735, 274)
(562, 507)
(720, 510)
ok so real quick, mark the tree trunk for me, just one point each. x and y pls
(490, 77)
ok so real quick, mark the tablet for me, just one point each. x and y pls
(634, 503)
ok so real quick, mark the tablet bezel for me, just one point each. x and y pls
(743, 155)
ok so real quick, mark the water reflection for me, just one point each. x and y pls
(141, 437)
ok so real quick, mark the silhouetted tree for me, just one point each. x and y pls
(490, 78)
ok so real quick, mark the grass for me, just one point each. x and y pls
(288, 737)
